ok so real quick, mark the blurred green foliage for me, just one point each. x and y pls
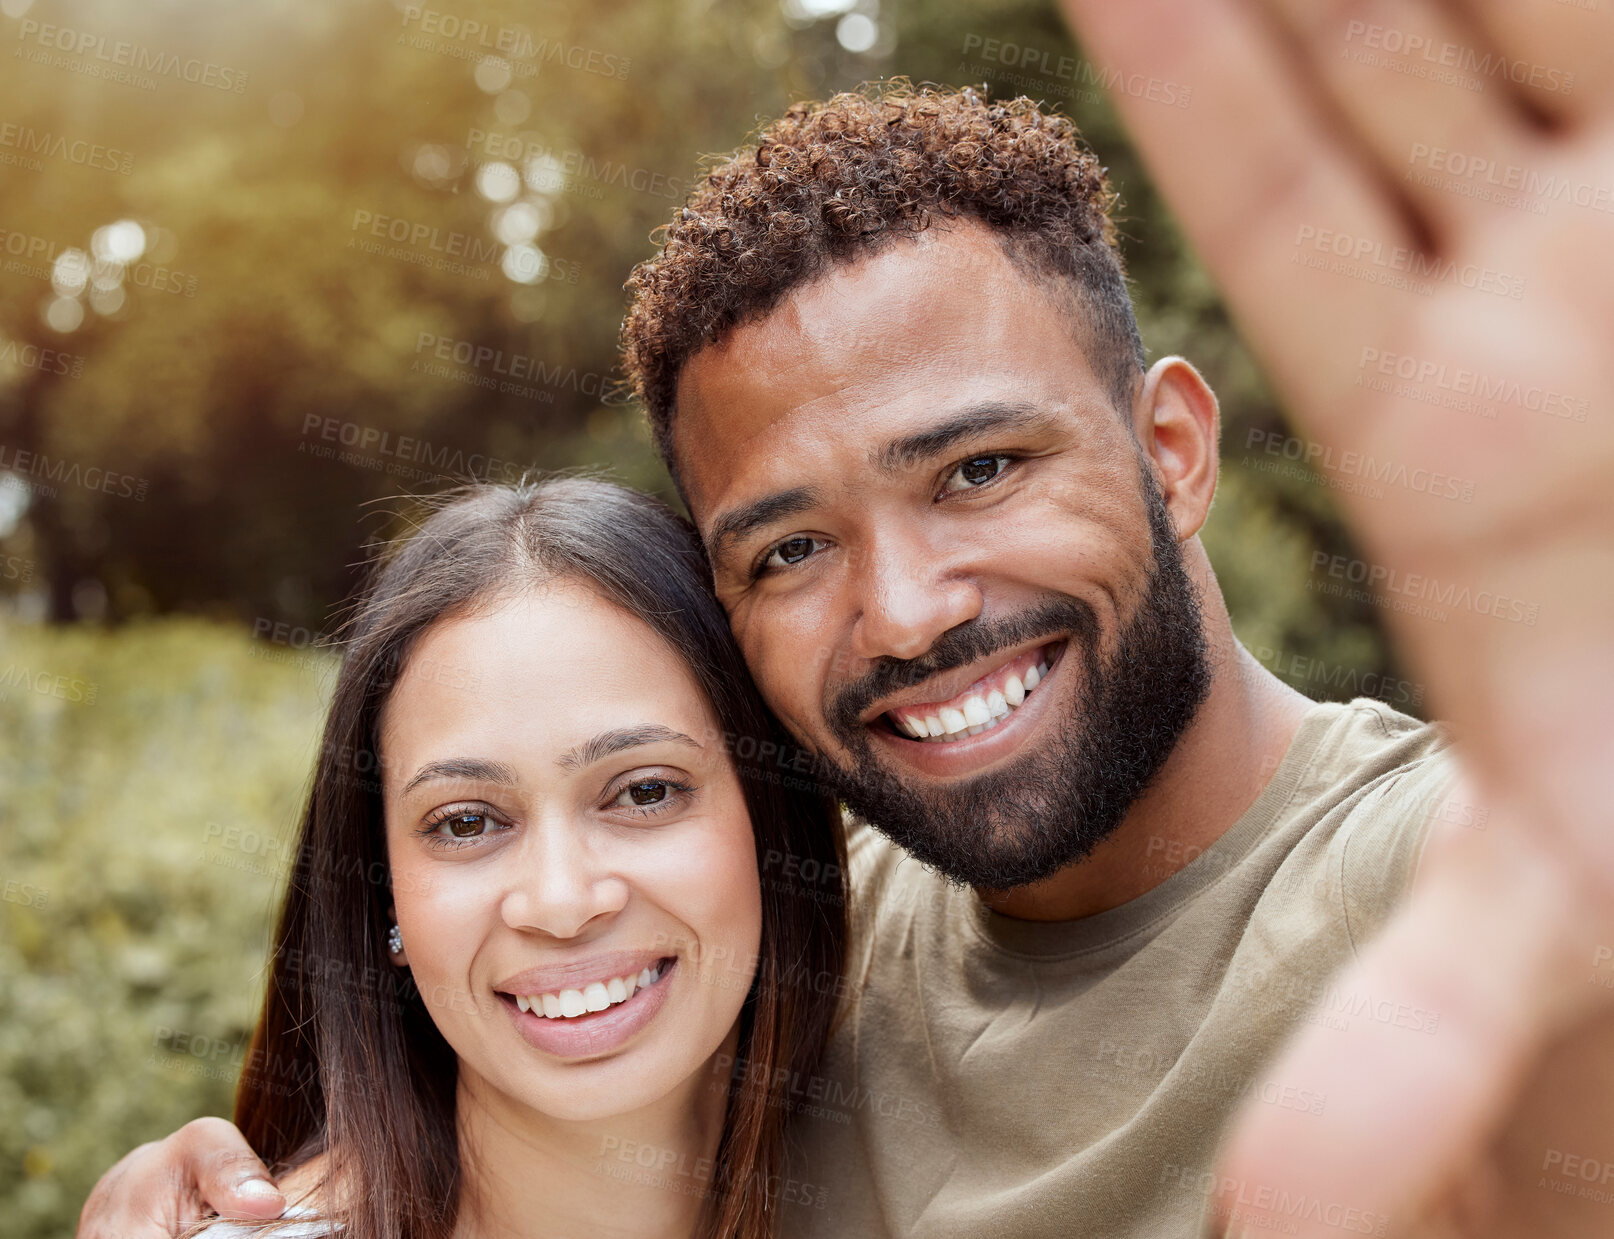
(182, 448)
(150, 781)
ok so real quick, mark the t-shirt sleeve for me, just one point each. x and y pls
(1384, 838)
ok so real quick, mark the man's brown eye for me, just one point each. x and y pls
(794, 550)
(974, 473)
(981, 469)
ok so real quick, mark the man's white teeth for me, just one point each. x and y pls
(595, 996)
(977, 714)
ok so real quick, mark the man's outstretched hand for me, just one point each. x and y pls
(1410, 209)
(159, 1188)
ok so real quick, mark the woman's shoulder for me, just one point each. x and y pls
(305, 1187)
(298, 1222)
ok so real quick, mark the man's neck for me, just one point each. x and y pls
(1228, 754)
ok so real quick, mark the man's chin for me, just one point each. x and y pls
(995, 832)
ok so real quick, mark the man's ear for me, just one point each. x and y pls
(1177, 422)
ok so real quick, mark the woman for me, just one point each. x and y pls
(526, 938)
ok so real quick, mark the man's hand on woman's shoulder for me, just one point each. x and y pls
(161, 1187)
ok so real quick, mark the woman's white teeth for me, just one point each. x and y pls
(978, 713)
(595, 996)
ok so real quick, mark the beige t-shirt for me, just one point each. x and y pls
(996, 1077)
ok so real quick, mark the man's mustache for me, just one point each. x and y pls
(970, 642)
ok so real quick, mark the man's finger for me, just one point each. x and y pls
(1448, 1011)
(1279, 198)
(1381, 64)
(1557, 56)
(226, 1173)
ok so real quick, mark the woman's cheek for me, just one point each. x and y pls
(720, 903)
(441, 909)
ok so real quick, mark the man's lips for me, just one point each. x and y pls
(977, 703)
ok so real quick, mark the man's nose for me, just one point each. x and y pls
(907, 596)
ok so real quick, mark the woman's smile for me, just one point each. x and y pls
(595, 1017)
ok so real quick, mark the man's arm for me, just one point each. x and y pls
(1409, 207)
(160, 1187)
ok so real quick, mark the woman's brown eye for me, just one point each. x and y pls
(465, 825)
(647, 793)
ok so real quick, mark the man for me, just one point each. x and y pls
(889, 357)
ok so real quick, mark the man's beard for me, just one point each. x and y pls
(1051, 806)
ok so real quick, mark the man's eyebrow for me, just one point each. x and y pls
(617, 740)
(736, 523)
(463, 768)
(925, 445)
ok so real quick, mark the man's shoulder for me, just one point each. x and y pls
(1375, 784)
(1365, 740)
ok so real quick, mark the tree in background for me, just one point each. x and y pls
(311, 256)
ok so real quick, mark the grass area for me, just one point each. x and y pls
(150, 783)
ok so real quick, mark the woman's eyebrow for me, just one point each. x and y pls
(463, 768)
(618, 739)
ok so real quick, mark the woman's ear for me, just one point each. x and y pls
(395, 943)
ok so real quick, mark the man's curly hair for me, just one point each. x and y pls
(829, 182)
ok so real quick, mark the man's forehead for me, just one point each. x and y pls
(854, 354)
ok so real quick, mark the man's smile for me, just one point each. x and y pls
(930, 715)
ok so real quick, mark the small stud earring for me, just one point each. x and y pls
(395, 940)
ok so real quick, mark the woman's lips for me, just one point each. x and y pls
(597, 1032)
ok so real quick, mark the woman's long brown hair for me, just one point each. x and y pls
(346, 1060)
